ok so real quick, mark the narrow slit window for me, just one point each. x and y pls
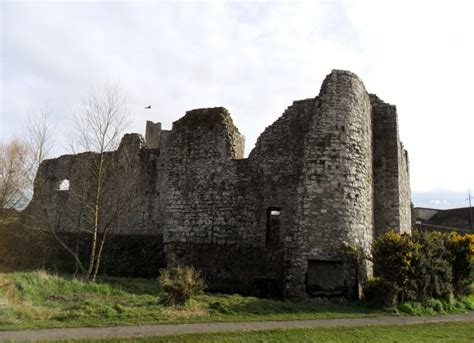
(273, 227)
(64, 185)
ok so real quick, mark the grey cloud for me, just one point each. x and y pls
(441, 199)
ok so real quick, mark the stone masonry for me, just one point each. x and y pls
(324, 179)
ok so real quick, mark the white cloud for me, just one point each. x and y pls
(420, 55)
(441, 199)
(254, 59)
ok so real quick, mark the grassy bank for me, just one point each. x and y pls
(40, 300)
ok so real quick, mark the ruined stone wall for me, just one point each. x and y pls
(129, 206)
(276, 165)
(391, 174)
(405, 191)
(325, 177)
(124, 195)
(209, 220)
(152, 134)
(200, 178)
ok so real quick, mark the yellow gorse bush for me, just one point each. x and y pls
(425, 265)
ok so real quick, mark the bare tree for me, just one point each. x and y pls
(39, 137)
(88, 213)
(14, 174)
(99, 123)
(20, 159)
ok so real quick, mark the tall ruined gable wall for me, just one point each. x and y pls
(405, 190)
(391, 174)
(201, 177)
(276, 163)
(207, 219)
(386, 166)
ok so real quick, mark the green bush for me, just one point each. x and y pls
(432, 268)
(461, 253)
(468, 302)
(394, 257)
(436, 305)
(379, 292)
(180, 284)
(432, 306)
(422, 267)
(415, 309)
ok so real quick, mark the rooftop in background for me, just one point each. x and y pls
(455, 218)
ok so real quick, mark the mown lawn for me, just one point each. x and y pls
(39, 300)
(440, 332)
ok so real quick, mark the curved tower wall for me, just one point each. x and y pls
(335, 192)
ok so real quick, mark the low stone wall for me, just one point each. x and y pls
(124, 255)
(255, 270)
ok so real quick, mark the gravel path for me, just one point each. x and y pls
(170, 329)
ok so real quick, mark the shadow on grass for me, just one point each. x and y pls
(255, 307)
(137, 286)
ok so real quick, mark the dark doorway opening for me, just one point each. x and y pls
(267, 288)
(325, 278)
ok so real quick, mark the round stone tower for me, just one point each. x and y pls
(336, 196)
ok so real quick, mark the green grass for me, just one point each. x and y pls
(39, 300)
(435, 306)
(440, 332)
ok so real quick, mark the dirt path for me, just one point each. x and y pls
(170, 329)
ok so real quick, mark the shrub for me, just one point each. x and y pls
(180, 284)
(468, 303)
(432, 276)
(436, 305)
(461, 254)
(426, 266)
(379, 292)
(432, 306)
(415, 309)
(394, 258)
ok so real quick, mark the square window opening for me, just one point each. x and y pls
(63, 185)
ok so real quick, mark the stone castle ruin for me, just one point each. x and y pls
(327, 177)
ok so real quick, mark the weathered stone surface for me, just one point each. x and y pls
(152, 134)
(391, 174)
(328, 175)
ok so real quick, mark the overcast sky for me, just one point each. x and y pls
(254, 58)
